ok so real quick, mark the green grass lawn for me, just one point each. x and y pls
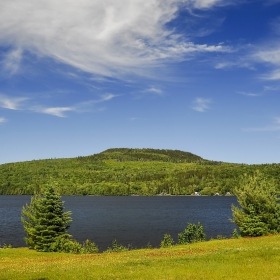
(244, 258)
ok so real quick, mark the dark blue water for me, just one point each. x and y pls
(133, 220)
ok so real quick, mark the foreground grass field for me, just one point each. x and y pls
(244, 258)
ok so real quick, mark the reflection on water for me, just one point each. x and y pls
(131, 220)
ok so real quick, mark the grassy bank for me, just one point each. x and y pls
(245, 258)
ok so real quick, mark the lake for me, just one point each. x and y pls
(134, 220)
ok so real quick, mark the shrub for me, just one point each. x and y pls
(235, 234)
(167, 241)
(89, 247)
(259, 211)
(221, 237)
(116, 247)
(66, 245)
(5, 246)
(192, 233)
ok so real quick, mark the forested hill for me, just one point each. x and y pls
(129, 172)
(124, 154)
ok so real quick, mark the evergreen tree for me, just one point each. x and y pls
(192, 233)
(259, 211)
(44, 220)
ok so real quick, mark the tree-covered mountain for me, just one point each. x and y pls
(124, 154)
(128, 172)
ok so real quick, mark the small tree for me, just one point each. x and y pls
(44, 220)
(167, 241)
(192, 233)
(259, 211)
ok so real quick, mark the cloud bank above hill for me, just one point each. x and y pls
(102, 37)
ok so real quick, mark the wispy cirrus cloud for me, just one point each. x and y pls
(55, 111)
(275, 126)
(2, 120)
(201, 104)
(271, 88)
(87, 105)
(11, 61)
(272, 76)
(107, 97)
(18, 103)
(234, 64)
(269, 52)
(250, 94)
(102, 37)
(12, 103)
(154, 90)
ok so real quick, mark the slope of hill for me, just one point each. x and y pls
(127, 172)
(124, 154)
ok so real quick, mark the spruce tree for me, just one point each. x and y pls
(259, 211)
(44, 220)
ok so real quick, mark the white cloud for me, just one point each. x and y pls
(202, 4)
(272, 76)
(271, 88)
(201, 104)
(270, 56)
(104, 37)
(107, 97)
(2, 120)
(154, 90)
(55, 111)
(269, 128)
(231, 64)
(11, 61)
(85, 106)
(16, 103)
(250, 94)
(11, 103)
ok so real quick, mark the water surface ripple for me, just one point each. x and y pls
(134, 220)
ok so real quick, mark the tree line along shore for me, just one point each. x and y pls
(129, 172)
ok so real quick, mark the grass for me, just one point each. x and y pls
(244, 258)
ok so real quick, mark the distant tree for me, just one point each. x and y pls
(44, 220)
(259, 211)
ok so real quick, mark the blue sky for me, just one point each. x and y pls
(79, 77)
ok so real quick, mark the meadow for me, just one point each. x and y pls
(242, 258)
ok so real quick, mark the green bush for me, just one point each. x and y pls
(167, 241)
(116, 247)
(89, 247)
(66, 245)
(235, 234)
(259, 211)
(192, 233)
(5, 246)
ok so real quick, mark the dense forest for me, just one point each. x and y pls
(129, 172)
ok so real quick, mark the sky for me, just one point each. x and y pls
(80, 77)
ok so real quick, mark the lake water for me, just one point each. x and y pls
(133, 220)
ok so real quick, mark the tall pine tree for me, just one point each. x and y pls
(44, 220)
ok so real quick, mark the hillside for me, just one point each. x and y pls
(123, 154)
(128, 172)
